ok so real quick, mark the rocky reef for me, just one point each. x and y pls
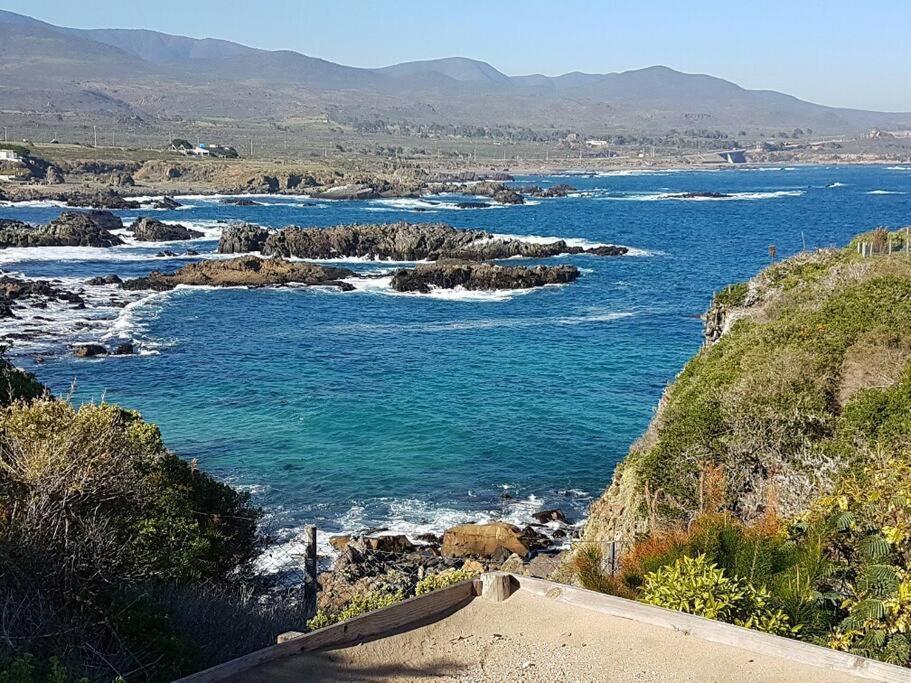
(396, 242)
(70, 229)
(244, 271)
(151, 230)
(479, 276)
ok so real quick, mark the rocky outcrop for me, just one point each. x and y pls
(244, 271)
(70, 229)
(479, 276)
(17, 291)
(396, 242)
(101, 200)
(151, 230)
(242, 238)
(106, 280)
(167, 203)
(699, 195)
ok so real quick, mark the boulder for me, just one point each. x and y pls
(340, 542)
(151, 230)
(242, 238)
(473, 205)
(121, 179)
(508, 197)
(389, 544)
(545, 516)
(101, 200)
(53, 176)
(483, 540)
(479, 276)
(239, 201)
(89, 351)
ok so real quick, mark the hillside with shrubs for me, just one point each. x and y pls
(773, 487)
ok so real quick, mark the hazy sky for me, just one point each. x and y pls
(837, 52)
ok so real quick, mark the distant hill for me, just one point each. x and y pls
(150, 74)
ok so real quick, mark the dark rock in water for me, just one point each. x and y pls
(191, 252)
(545, 516)
(508, 197)
(473, 205)
(125, 349)
(560, 190)
(242, 238)
(167, 253)
(69, 229)
(89, 351)
(249, 271)
(699, 195)
(430, 539)
(607, 250)
(168, 203)
(388, 544)
(101, 200)
(106, 280)
(479, 276)
(239, 201)
(151, 230)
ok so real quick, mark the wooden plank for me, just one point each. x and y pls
(716, 631)
(381, 623)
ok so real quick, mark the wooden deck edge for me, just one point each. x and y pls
(387, 621)
(716, 631)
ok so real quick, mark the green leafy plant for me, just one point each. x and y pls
(444, 579)
(361, 603)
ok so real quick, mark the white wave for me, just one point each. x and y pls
(836, 184)
(621, 173)
(675, 196)
(884, 192)
(898, 168)
(383, 285)
(582, 317)
(35, 203)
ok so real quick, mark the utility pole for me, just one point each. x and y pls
(5, 138)
(95, 131)
(251, 147)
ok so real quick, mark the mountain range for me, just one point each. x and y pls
(149, 75)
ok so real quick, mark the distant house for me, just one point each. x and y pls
(9, 155)
(203, 149)
(199, 151)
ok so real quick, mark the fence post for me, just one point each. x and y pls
(310, 568)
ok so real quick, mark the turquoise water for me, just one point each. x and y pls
(371, 409)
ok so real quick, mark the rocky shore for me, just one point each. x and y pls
(16, 292)
(151, 230)
(388, 563)
(394, 242)
(479, 276)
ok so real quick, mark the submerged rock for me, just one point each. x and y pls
(249, 271)
(479, 276)
(106, 280)
(168, 203)
(351, 191)
(699, 195)
(124, 349)
(151, 230)
(69, 229)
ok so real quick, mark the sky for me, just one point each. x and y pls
(834, 52)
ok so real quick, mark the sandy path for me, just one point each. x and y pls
(527, 638)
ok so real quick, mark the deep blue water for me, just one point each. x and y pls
(409, 412)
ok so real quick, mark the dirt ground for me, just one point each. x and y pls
(528, 638)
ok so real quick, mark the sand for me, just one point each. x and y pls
(529, 638)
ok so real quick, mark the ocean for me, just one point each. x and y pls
(372, 409)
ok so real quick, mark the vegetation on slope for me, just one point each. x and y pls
(117, 558)
(774, 479)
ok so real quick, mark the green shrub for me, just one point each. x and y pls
(356, 606)
(693, 585)
(733, 296)
(444, 579)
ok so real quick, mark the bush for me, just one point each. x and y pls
(356, 606)
(444, 579)
(95, 492)
(693, 585)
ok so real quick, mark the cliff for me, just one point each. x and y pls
(804, 367)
